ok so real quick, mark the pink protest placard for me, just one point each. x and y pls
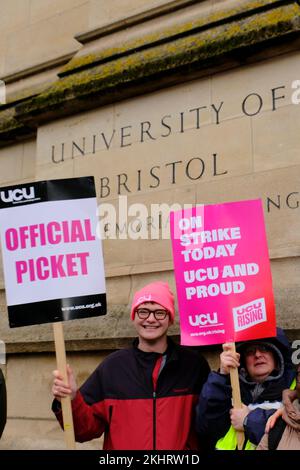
(223, 275)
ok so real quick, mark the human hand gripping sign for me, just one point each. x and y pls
(229, 363)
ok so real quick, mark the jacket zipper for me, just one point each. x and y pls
(155, 375)
(154, 420)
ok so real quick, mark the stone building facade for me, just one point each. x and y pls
(162, 101)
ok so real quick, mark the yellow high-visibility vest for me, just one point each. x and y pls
(229, 441)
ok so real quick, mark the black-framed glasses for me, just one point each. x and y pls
(144, 313)
(251, 350)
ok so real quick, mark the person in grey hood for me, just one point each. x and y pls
(265, 370)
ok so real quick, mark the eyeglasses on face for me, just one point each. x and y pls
(251, 350)
(144, 313)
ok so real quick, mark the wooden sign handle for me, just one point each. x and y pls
(65, 402)
(236, 398)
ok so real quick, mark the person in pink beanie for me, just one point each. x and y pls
(143, 397)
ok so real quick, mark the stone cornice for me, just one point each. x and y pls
(101, 344)
(204, 22)
(209, 43)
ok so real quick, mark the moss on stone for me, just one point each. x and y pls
(27, 92)
(11, 129)
(80, 62)
(187, 51)
(8, 121)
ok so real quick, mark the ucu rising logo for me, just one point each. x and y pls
(17, 195)
(249, 314)
(203, 319)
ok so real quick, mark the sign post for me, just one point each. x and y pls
(236, 398)
(65, 402)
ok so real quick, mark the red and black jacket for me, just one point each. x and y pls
(140, 402)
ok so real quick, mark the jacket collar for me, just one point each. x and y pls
(172, 349)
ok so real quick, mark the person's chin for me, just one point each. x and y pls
(261, 374)
(151, 333)
(261, 367)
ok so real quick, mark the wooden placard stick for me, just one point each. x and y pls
(65, 402)
(236, 397)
